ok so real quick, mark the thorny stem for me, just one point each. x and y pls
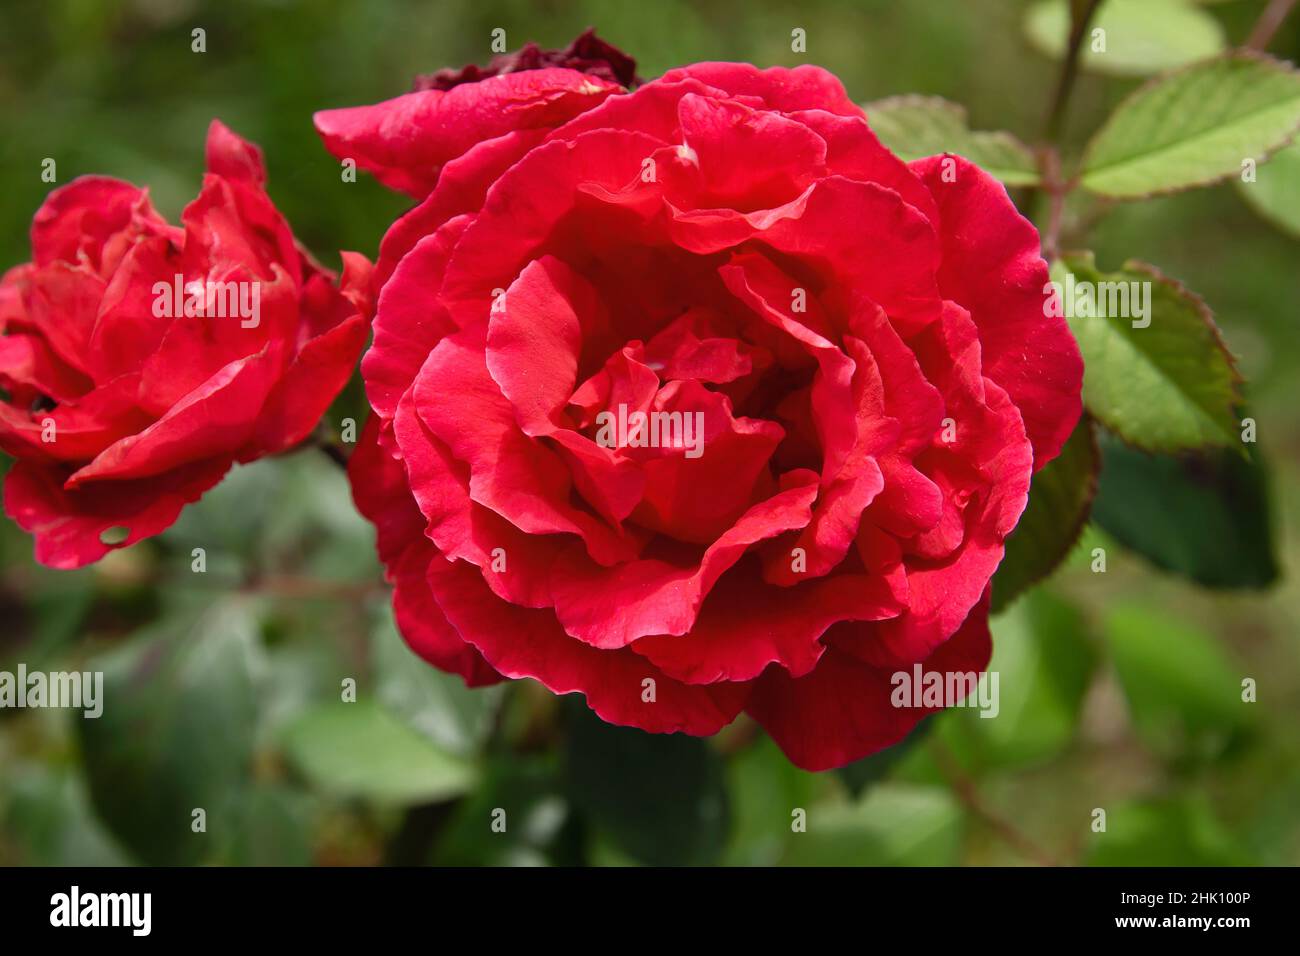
(1082, 12)
(1049, 156)
(1051, 164)
(1269, 22)
(968, 794)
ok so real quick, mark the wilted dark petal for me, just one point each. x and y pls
(587, 54)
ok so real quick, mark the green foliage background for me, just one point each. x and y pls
(1120, 691)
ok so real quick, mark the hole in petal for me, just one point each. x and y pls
(114, 536)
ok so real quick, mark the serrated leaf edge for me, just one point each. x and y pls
(1202, 309)
(959, 111)
(1282, 66)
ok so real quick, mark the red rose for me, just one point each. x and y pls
(140, 360)
(705, 402)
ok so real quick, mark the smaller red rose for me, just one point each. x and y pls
(140, 360)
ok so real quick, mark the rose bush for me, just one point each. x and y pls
(140, 360)
(864, 341)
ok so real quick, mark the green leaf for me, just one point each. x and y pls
(266, 825)
(275, 512)
(1194, 127)
(1044, 664)
(660, 797)
(1142, 37)
(1144, 502)
(229, 521)
(1275, 193)
(48, 821)
(527, 788)
(1169, 384)
(59, 602)
(454, 717)
(894, 825)
(766, 789)
(918, 126)
(311, 508)
(176, 733)
(1060, 499)
(1264, 792)
(1183, 692)
(1177, 831)
(360, 750)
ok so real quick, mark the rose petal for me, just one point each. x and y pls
(841, 711)
(993, 267)
(515, 476)
(695, 493)
(802, 88)
(745, 624)
(406, 141)
(232, 157)
(67, 525)
(422, 623)
(92, 220)
(515, 565)
(213, 421)
(462, 187)
(305, 390)
(620, 686)
(381, 492)
(611, 607)
(410, 320)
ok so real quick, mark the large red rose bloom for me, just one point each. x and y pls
(863, 341)
(119, 406)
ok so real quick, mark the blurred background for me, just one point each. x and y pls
(1119, 691)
